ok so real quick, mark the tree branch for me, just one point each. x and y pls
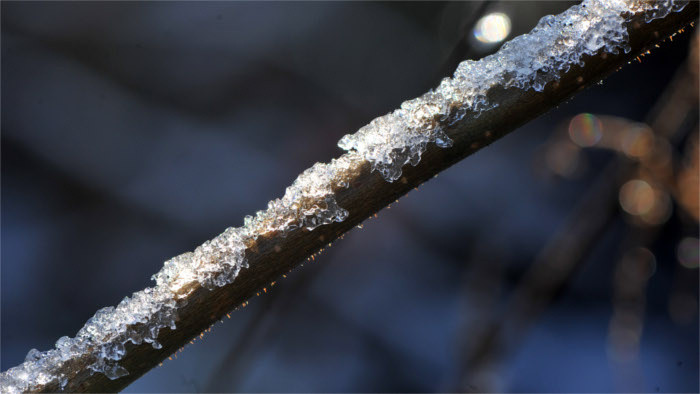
(273, 253)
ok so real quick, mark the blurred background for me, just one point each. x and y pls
(564, 257)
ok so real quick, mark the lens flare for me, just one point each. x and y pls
(585, 130)
(492, 28)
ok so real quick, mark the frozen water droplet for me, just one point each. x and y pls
(115, 371)
(442, 140)
(33, 355)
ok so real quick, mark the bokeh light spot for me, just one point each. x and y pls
(689, 252)
(639, 264)
(563, 159)
(638, 141)
(637, 197)
(492, 28)
(585, 130)
(661, 211)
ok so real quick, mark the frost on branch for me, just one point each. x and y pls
(308, 203)
(387, 143)
(526, 62)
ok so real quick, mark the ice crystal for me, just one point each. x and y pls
(388, 143)
(527, 62)
(308, 203)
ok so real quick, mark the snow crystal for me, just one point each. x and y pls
(387, 143)
(527, 62)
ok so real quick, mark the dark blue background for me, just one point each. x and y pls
(132, 132)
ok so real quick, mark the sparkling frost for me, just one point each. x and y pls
(308, 203)
(526, 62)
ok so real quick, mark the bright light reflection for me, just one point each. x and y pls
(585, 130)
(637, 197)
(492, 28)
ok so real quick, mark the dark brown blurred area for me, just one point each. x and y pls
(562, 258)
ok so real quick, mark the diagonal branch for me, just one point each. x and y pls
(483, 102)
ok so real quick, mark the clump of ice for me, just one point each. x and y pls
(388, 143)
(526, 62)
(101, 341)
(308, 203)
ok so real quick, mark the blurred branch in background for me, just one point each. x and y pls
(641, 180)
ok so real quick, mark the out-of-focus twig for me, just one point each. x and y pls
(564, 255)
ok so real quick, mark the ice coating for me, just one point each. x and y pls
(308, 203)
(388, 143)
(137, 319)
(526, 62)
